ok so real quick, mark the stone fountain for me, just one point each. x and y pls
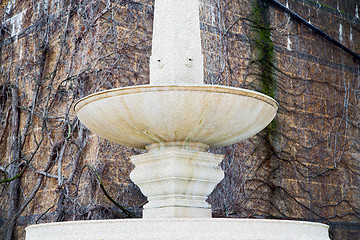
(177, 119)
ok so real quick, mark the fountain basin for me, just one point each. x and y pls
(180, 229)
(143, 115)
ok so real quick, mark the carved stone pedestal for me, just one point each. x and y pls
(177, 178)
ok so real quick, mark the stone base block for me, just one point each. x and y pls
(179, 229)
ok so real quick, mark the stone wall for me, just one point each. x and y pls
(304, 166)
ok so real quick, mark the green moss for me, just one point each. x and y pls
(263, 48)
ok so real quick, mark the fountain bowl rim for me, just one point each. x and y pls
(155, 88)
(169, 220)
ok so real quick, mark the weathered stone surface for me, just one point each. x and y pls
(177, 180)
(176, 46)
(180, 229)
(143, 115)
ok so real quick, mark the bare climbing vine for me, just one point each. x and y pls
(305, 165)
